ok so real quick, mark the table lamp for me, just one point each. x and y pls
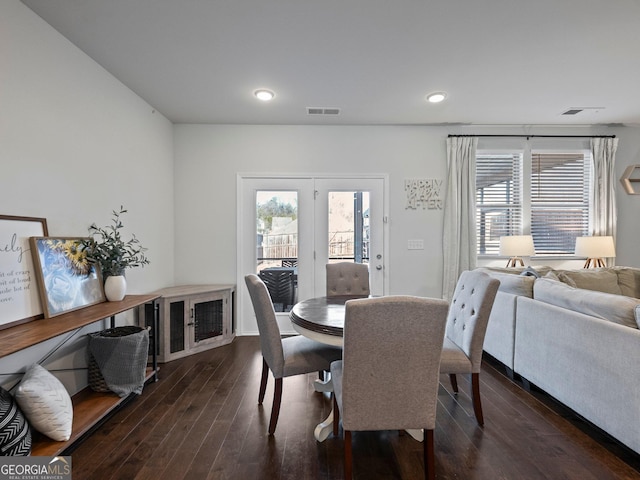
(595, 249)
(516, 247)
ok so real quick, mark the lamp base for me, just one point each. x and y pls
(513, 262)
(595, 262)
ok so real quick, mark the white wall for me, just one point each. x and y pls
(208, 157)
(75, 144)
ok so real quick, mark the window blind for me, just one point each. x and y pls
(498, 199)
(559, 201)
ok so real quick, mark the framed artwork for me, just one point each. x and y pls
(19, 297)
(66, 279)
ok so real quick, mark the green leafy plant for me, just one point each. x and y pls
(107, 248)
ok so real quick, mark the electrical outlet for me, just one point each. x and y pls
(415, 244)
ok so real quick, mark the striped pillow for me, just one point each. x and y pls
(15, 434)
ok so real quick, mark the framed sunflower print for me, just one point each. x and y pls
(67, 280)
(19, 298)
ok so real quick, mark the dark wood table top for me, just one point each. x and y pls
(323, 315)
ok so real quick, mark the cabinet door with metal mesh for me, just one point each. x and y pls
(176, 327)
(208, 319)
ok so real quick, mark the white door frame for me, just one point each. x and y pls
(246, 185)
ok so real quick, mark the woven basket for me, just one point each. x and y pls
(96, 380)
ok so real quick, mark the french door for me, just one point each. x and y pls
(290, 228)
(349, 226)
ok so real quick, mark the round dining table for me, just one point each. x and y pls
(322, 319)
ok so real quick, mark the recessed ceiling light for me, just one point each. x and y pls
(264, 94)
(436, 97)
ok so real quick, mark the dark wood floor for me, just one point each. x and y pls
(202, 421)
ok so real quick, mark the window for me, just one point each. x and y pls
(498, 199)
(539, 193)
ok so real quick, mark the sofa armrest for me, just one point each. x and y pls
(500, 336)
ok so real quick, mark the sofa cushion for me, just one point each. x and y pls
(616, 308)
(509, 283)
(597, 279)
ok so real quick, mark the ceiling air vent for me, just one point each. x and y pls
(322, 111)
(577, 110)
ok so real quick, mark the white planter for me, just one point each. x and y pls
(115, 288)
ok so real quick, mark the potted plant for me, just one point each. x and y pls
(114, 255)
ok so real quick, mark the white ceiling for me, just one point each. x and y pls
(502, 62)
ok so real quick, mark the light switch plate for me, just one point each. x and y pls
(417, 244)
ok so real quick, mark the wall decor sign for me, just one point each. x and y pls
(66, 279)
(19, 298)
(423, 193)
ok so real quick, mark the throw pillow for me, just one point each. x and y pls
(629, 281)
(551, 275)
(15, 434)
(530, 272)
(564, 278)
(46, 403)
(599, 279)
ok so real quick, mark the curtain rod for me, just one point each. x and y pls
(538, 136)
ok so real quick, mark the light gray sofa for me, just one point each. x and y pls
(574, 334)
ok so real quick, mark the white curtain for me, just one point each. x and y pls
(603, 151)
(459, 232)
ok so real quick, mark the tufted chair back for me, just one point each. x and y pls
(469, 312)
(347, 278)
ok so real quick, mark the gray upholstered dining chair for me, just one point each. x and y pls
(388, 378)
(467, 321)
(347, 278)
(283, 356)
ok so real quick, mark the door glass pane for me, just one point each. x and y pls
(348, 227)
(277, 245)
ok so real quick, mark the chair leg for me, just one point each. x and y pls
(429, 456)
(263, 381)
(275, 409)
(348, 466)
(477, 405)
(454, 382)
(336, 415)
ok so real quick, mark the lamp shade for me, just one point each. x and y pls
(517, 246)
(595, 247)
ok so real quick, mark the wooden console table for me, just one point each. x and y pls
(89, 407)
